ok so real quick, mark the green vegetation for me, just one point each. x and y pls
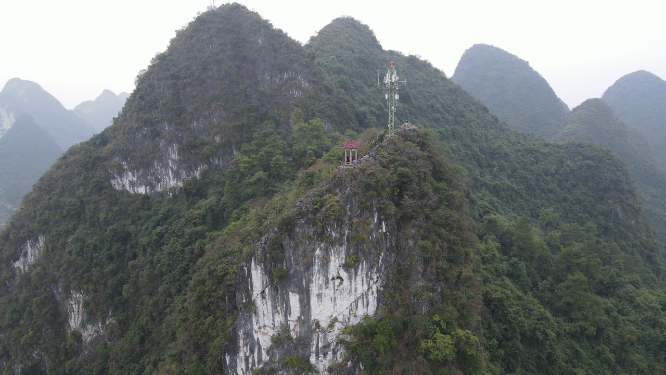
(298, 363)
(594, 121)
(511, 89)
(639, 99)
(412, 172)
(515, 255)
(26, 152)
(573, 303)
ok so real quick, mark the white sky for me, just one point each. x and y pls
(74, 49)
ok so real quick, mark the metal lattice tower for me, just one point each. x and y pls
(391, 86)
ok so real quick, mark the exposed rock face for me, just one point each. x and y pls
(331, 284)
(6, 120)
(324, 271)
(29, 253)
(166, 173)
(158, 148)
(78, 321)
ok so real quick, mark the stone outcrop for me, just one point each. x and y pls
(90, 329)
(304, 285)
(331, 284)
(30, 252)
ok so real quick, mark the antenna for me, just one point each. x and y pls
(391, 94)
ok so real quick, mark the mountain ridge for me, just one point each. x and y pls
(594, 121)
(28, 97)
(100, 112)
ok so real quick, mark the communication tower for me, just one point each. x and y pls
(391, 94)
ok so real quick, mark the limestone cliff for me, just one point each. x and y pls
(333, 282)
(305, 286)
(224, 75)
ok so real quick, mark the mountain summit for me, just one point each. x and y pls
(21, 96)
(639, 99)
(26, 152)
(594, 121)
(511, 89)
(100, 112)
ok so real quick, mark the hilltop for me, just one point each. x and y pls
(511, 89)
(22, 96)
(100, 112)
(594, 121)
(26, 152)
(639, 99)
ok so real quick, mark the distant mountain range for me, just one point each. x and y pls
(35, 129)
(511, 89)
(518, 94)
(21, 96)
(594, 121)
(26, 152)
(98, 113)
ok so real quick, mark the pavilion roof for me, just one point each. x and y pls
(351, 144)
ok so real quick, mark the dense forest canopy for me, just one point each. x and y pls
(594, 121)
(538, 256)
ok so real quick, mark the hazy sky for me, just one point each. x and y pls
(74, 49)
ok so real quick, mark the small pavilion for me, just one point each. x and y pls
(351, 153)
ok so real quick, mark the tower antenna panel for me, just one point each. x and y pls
(391, 81)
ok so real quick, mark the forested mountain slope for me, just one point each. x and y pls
(639, 99)
(100, 112)
(26, 152)
(201, 231)
(594, 121)
(513, 173)
(511, 89)
(21, 96)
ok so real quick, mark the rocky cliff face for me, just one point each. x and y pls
(307, 285)
(7, 119)
(29, 253)
(91, 330)
(332, 283)
(165, 173)
(224, 76)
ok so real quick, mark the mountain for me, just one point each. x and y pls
(100, 112)
(511, 89)
(211, 228)
(26, 152)
(594, 121)
(20, 96)
(639, 99)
